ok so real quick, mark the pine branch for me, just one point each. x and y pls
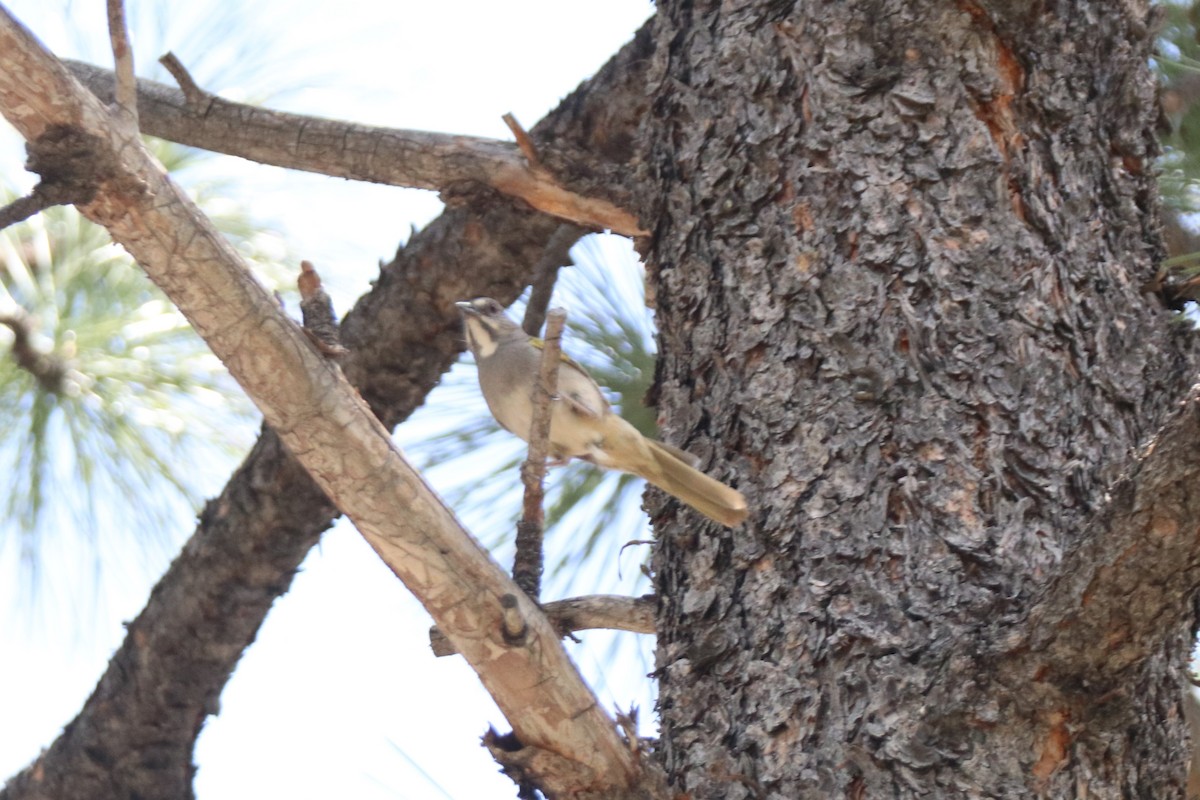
(323, 421)
(456, 166)
(252, 538)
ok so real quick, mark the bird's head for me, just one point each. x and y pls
(487, 325)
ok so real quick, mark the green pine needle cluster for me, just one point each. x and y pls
(131, 403)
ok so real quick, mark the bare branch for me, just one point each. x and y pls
(48, 369)
(196, 97)
(126, 83)
(555, 255)
(324, 423)
(526, 145)
(527, 564)
(600, 611)
(441, 162)
(25, 207)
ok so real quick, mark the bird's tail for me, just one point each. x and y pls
(707, 495)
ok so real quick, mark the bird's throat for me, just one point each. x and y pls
(481, 340)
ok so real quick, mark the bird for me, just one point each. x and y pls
(582, 423)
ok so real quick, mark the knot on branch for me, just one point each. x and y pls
(71, 164)
(316, 309)
(476, 195)
(556, 776)
(65, 159)
(524, 764)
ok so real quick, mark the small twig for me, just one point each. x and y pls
(48, 369)
(192, 93)
(555, 255)
(316, 309)
(526, 145)
(630, 543)
(126, 85)
(25, 207)
(527, 564)
(608, 612)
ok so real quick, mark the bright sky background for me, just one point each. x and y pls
(340, 695)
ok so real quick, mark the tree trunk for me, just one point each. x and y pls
(899, 263)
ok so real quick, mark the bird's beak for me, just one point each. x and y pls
(466, 307)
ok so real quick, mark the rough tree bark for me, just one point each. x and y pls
(899, 255)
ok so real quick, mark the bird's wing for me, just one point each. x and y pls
(580, 393)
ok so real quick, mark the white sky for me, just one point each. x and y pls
(339, 695)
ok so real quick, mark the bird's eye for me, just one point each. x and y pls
(492, 307)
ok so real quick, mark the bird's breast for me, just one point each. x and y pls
(575, 413)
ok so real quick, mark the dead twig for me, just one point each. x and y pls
(64, 160)
(524, 142)
(25, 207)
(555, 255)
(126, 82)
(591, 612)
(48, 369)
(527, 564)
(196, 98)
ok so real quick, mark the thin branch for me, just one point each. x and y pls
(528, 148)
(25, 207)
(126, 82)
(556, 255)
(196, 97)
(453, 165)
(592, 612)
(48, 369)
(527, 564)
(324, 422)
